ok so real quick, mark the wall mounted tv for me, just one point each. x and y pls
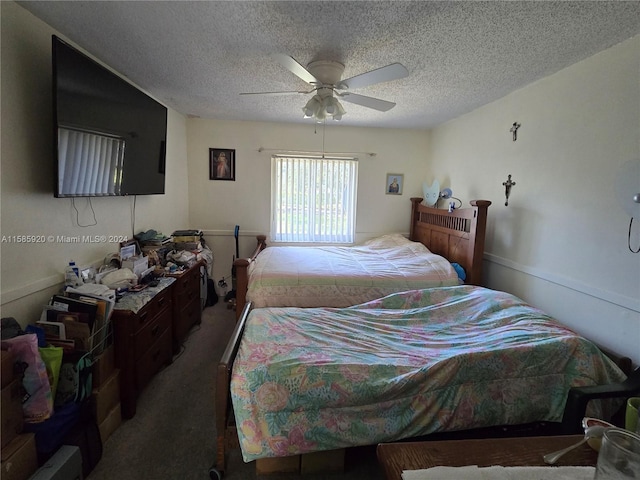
(109, 137)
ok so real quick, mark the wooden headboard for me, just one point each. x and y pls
(458, 235)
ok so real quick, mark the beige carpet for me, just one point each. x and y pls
(172, 435)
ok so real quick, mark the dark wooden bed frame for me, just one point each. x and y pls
(575, 408)
(458, 236)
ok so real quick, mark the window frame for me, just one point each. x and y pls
(338, 174)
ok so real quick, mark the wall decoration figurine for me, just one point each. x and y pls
(507, 189)
(394, 183)
(514, 130)
(222, 164)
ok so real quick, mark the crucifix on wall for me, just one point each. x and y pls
(514, 130)
(507, 189)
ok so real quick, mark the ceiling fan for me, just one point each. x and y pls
(325, 78)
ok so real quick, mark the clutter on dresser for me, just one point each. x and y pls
(187, 240)
(193, 241)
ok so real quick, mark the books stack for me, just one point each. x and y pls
(78, 320)
(152, 240)
(187, 239)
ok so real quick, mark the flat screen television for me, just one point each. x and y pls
(109, 137)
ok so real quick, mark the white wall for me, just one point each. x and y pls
(30, 273)
(217, 206)
(561, 244)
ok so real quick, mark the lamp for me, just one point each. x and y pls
(321, 107)
(312, 107)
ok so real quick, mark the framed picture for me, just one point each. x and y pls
(222, 164)
(395, 182)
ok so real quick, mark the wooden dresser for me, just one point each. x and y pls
(142, 327)
(187, 308)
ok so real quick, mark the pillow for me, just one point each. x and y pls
(387, 241)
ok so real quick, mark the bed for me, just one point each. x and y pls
(410, 364)
(337, 276)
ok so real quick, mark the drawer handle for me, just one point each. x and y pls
(161, 302)
(143, 317)
(154, 330)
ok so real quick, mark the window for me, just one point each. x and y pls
(313, 199)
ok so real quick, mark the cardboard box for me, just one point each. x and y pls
(328, 461)
(103, 366)
(7, 361)
(266, 466)
(136, 264)
(11, 407)
(111, 423)
(19, 458)
(107, 396)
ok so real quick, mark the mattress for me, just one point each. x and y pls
(335, 276)
(409, 364)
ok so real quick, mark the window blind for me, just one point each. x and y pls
(89, 163)
(313, 199)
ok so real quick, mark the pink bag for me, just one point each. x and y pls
(37, 404)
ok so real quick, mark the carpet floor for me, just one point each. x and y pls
(172, 436)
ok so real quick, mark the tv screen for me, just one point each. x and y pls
(109, 137)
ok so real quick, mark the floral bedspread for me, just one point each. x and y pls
(338, 276)
(409, 364)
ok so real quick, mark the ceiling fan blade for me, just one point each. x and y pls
(369, 102)
(278, 93)
(294, 67)
(394, 71)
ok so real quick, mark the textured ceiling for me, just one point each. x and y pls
(196, 57)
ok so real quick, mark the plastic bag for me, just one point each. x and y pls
(76, 378)
(182, 257)
(52, 358)
(37, 405)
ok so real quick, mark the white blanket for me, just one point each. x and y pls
(343, 276)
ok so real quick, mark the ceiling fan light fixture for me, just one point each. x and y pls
(325, 76)
(329, 104)
(322, 108)
(313, 106)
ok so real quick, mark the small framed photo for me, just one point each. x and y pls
(222, 164)
(395, 182)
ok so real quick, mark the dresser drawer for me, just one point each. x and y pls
(187, 287)
(149, 311)
(187, 317)
(149, 364)
(151, 331)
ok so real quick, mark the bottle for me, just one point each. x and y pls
(72, 275)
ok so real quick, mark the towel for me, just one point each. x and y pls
(473, 472)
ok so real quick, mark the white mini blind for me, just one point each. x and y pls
(313, 199)
(89, 163)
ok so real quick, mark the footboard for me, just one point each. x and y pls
(226, 435)
(242, 274)
(579, 397)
